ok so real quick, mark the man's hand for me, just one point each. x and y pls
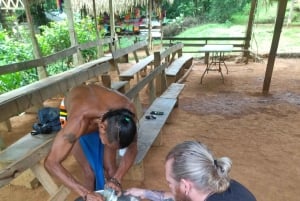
(92, 196)
(114, 184)
(136, 192)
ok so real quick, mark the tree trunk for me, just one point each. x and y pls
(99, 46)
(42, 73)
(249, 28)
(150, 24)
(77, 58)
(112, 22)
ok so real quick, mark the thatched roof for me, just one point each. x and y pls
(120, 6)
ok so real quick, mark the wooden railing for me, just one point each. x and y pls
(46, 60)
(192, 44)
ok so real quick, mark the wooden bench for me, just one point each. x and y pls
(28, 151)
(177, 67)
(176, 63)
(150, 131)
(139, 68)
(135, 69)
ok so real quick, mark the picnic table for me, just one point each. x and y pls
(217, 58)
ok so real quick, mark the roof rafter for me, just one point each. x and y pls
(11, 5)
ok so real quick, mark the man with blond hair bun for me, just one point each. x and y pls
(193, 174)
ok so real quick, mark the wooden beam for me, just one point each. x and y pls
(17, 101)
(275, 41)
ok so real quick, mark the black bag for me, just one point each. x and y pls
(48, 121)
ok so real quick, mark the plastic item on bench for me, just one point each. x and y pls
(110, 195)
(157, 113)
(149, 117)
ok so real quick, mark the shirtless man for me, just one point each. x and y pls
(100, 121)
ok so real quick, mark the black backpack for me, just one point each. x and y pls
(48, 121)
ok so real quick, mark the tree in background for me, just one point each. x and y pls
(205, 10)
(221, 11)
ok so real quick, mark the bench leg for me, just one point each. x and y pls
(2, 144)
(26, 179)
(48, 183)
(61, 194)
(45, 179)
(138, 106)
(6, 125)
(106, 81)
(170, 80)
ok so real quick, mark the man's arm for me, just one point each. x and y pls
(62, 145)
(154, 195)
(117, 173)
(125, 163)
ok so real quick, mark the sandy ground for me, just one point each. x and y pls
(261, 134)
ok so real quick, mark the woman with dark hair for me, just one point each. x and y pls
(193, 174)
(98, 122)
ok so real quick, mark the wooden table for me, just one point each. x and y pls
(217, 58)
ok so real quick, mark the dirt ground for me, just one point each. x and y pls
(261, 134)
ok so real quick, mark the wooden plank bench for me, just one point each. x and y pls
(28, 151)
(177, 67)
(136, 69)
(176, 63)
(150, 130)
(139, 68)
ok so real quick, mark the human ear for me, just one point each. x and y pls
(102, 132)
(185, 185)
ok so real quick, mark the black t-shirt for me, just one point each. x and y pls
(235, 192)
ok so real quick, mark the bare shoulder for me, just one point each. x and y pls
(90, 99)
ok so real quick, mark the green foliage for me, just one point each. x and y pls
(178, 25)
(9, 82)
(215, 30)
(16, 47)
(187, 9)
(241, 17)
(266, 13)
(54, 37)
(13, 49)
(206, 10)
(221, 11)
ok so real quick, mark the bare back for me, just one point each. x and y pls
(91, 101)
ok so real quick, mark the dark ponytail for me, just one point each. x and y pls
(121, 126)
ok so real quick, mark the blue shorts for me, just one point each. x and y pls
(93, 150)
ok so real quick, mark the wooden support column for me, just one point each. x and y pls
(273, 51)
(249, 29)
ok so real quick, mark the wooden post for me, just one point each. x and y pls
(77, 58)
(42, 73)
(277, 31)
(99, 47)
(249, 29)
(157, 61)
(150, 42)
